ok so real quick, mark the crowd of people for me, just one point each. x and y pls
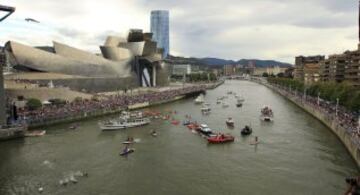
(350, 121)
(105, 104)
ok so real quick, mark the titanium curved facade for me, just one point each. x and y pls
(116, 53)
(159, 22)
(23, 56)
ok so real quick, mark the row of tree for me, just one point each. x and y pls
(348, 95)
(197, 77)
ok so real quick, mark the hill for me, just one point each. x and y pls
(218, 62)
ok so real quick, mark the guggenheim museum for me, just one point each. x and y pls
(124, 62)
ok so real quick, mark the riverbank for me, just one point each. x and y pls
(106, 106)
(347, 138)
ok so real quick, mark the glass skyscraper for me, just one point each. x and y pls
(160, 29)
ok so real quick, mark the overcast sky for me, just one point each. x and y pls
(231, 29)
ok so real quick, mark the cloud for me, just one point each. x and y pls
(233, 29)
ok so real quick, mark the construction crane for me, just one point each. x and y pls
(8, 9)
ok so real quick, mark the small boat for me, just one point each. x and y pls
(229, 92)
(154, 134)
(128, 151)
(220, 139)
(266, 118)
(35, 133)
(204, 129)
(230, 122)
(200, 99)
(73, 179)
(186, 122)
(205, 109)
(218, 101)
(246, 130)
(207, 104)
(267, 114)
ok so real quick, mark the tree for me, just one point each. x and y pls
(33, 104)
(280, 75)
(265, 74)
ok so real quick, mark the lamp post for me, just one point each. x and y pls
(318, 98)
(304, 94)
(337, 105)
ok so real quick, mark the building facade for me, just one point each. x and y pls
(308, 67)
(2, 91)
(229, 70)
(159, 22)
(342, 67)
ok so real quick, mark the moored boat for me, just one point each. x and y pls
(200, 99)
(35, 133)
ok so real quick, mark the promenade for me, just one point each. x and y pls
(345, 124)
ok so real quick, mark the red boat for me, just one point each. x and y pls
(221, 139)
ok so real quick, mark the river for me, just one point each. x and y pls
(297, 154)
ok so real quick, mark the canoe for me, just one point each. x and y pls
(129, 151)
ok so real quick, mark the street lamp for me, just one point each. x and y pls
(337, 105)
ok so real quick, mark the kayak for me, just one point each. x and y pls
(130, 150)
(128, 142)
(221, 139)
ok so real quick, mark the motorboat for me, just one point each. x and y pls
(267, 114)
(221, 138)
(230, 122)
(175, 122)
(123, 123)
(204, 129)
(246, 130)
(186, 122)
(200, 99)
(205, 109)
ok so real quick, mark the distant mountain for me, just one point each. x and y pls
(218, 62)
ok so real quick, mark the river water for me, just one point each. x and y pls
(296, 155)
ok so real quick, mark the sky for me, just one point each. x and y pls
(229, 29)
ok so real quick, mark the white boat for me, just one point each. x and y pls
(200, 99)
(230, 122)
(267, 114)
(123, 123)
